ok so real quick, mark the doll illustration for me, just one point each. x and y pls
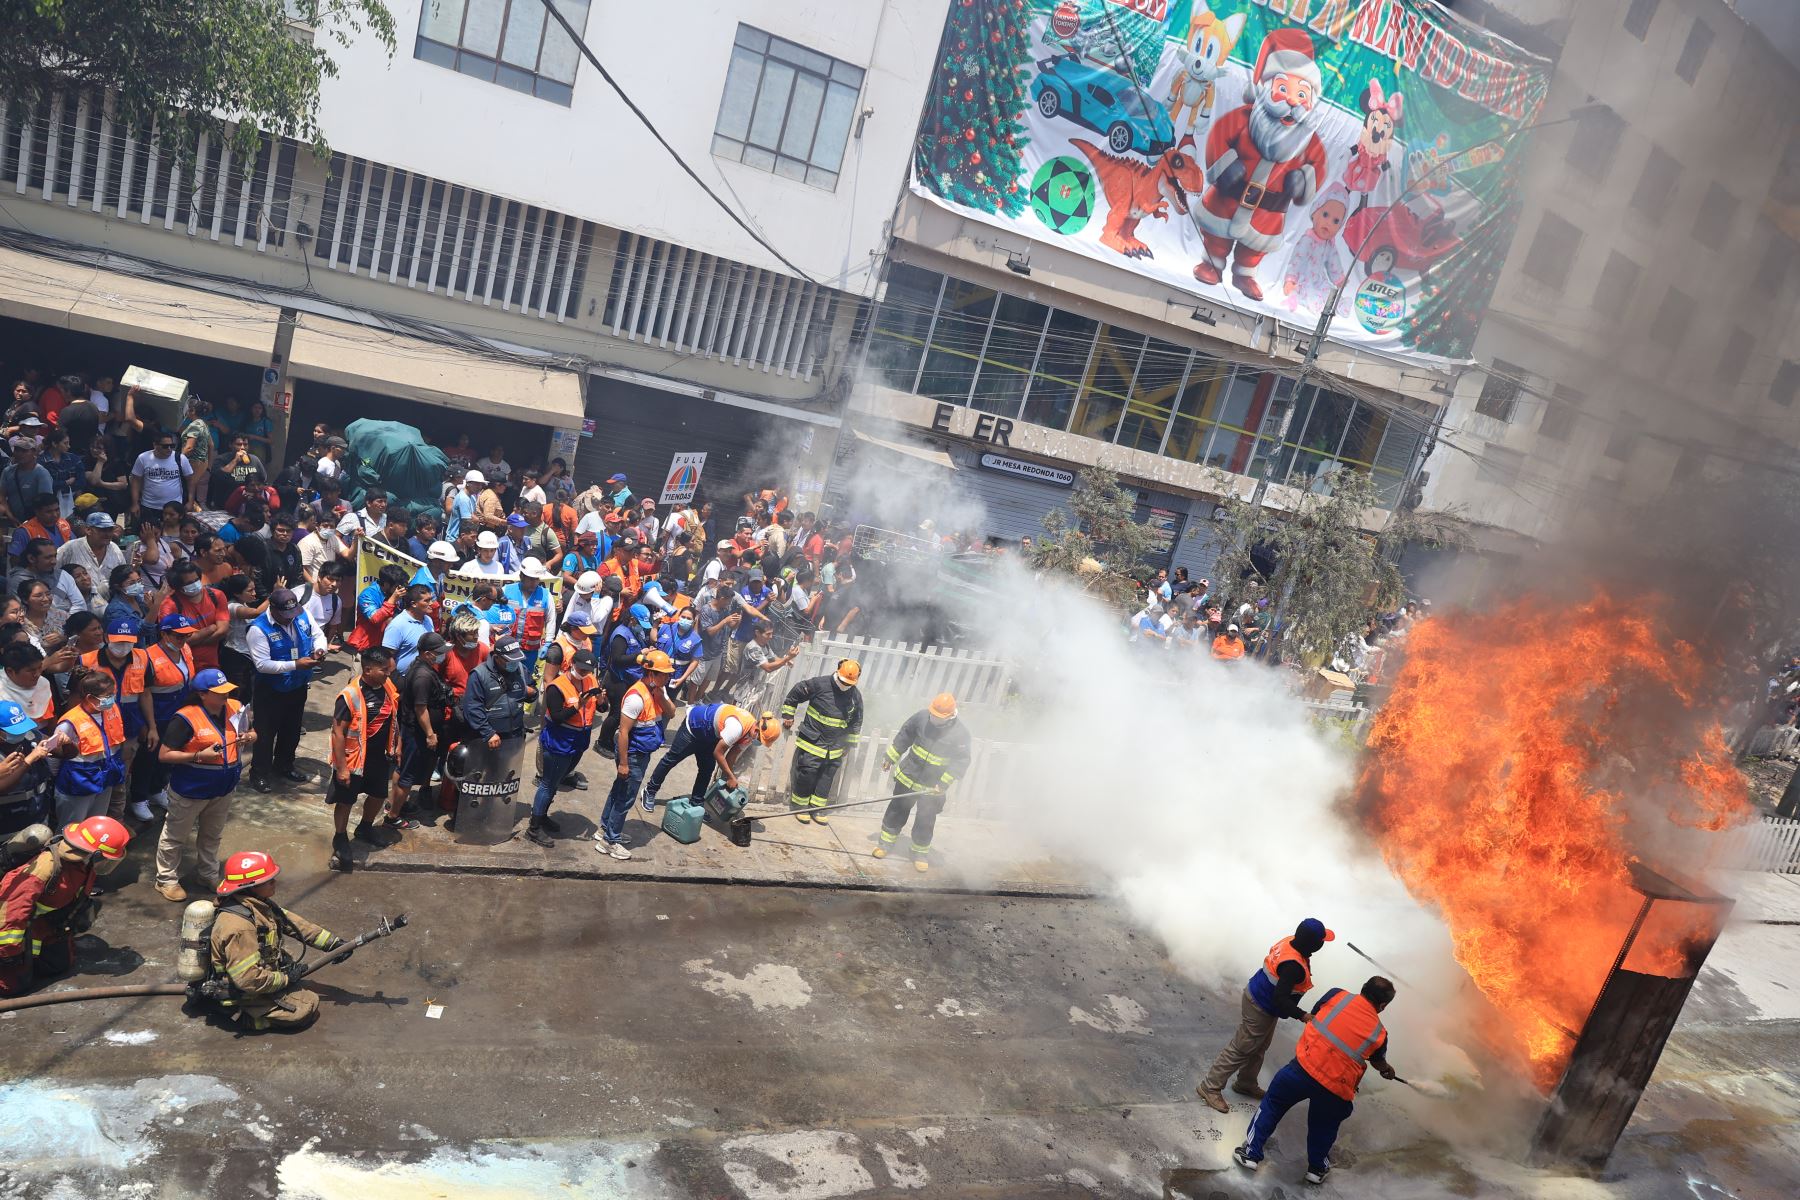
(1318, 263)
(1369, 160)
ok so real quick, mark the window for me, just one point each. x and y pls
(1560, 413)
(509, 42)
(1623, 439)
(1693, 51)
(1500, 392)
(1774, 252)
(1595, 142)
(1498, 465)
(1618, 283)
(1656, 186)
(1671, 318)
(786, 109)
(1712, 225)
(1738, 348)
(1552, 251)
(1637, 17)
(1787, 382)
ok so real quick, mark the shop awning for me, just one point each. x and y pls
(385, 362)
(925, 454)
(92, 299)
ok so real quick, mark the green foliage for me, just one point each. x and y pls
(177, 64)
(974, 126)
(1104, 543)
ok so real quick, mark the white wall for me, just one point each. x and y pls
(596, 160)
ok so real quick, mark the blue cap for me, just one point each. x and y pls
(640, 613)
(213, 680)
(616, 478)
(14, 720)
(1315, 929)
(518, 522)
(175, 621)
(123, 629)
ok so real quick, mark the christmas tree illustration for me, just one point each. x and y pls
(1451, 302)
(974, 128)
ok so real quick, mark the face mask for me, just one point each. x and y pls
(194, 588)
(106, 703)
(15, 739)
(685, 626)
(119, 650)
(940, 722)
(135, 590)
(435, 657)
(468, 643)
(840, 684)
(583, 675)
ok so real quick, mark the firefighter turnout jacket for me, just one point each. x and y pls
(833, 720)
(245, 946)
(38, 902)
(929, 757)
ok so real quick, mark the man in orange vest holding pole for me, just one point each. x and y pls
(1343, 1036)
(364, 737)
(1273, 993)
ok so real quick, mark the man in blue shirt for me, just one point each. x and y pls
(425, 532)
(409, 625)
(462, 504)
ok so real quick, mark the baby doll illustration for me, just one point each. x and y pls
(1318, 263)
(1369, 160)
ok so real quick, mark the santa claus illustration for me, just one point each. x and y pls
(1260, 158)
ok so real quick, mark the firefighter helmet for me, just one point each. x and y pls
(943, 706)
(98, 835)
(247, 869)
(459, 764)
(768, 729)
(848, 671)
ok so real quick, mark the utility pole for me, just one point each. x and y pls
(276, 395)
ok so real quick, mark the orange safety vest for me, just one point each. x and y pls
(1283, 952)
(95, 739)
(569, 649)
(35, 529)
(1224, 648)
(584, 707)
(160, 666)
(130, 681)
(356, 745)
(206, 734)
(727, 712)
(1338, 1041)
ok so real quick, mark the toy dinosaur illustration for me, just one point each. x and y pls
(1202, 58)
(1136, 189)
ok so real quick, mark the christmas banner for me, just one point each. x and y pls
(1282, 157)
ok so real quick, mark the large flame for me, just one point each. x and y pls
(1510, 776)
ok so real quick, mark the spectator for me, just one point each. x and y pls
(367, 521)
(490, 513)
(459, 507)
(253, 490)
(39, 564)
(159, 477)
(40, 522)
(512, 544)
(24, 479)
(282, 565)
(1229, 646)
(212, 555)
(234, 654)
(540, 541)
(376, 605)
(426, 527)
(129, 601)
(259, 431)
(197, 449)
(409, 626)
(582, 560)
(529, 490)
(495, 617)
(241, 465)
(496, 468)
(66, 468)
(460, 454)
(466, 651)
(96, 550)
(487, 556)
(325, 603)
(318, 548)
(22, 682)
(330, 464)
(394, 529)
(425, 700)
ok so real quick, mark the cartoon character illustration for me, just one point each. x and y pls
(1318, 264)
(1135, 190)
(1260, 158)
(1386, 238)
(1202, 61)
(1104, 101)
(1064, 32)
(1369, 160)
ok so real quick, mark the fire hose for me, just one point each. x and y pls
(387, 927)
(740, 825)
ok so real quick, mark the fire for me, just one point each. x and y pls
(1498, 784)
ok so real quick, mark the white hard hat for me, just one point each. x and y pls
(474, 477)
(531, 568)
(442, 552)
(487, 540)
(588, 583)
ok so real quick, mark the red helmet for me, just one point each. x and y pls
(99, 835)
(246, 869)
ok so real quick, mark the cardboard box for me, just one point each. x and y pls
(164, 395)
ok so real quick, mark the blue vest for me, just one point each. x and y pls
(747, 628)
(682, 648)
(629, 674)
(77, 778)
(703, 722)
(282, 648)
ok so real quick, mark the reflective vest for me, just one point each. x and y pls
(707, 721)
(284, 647)
(207, 781)
(56, 534)
(167, 678)
(533, 615)
(1264, 982)
(633, 642)
(576, 735)
(356, 738)
(682, 648)
(1338, 1041)
(128, 683)
(647, 732)
(568, 648)
(99, 763)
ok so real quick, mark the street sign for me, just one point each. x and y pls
(683, 478)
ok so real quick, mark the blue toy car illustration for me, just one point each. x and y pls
(1105, 101)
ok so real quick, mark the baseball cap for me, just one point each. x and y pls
(1233, 629)
(100, 520)
(337, 442)
(725, 545)
(487, 540)
(124, 629)
(213, 680)
(583, 658)
(21, 442)
(612, 518)
(1316, 928)
(474, 477)
(284, 601)
(647, 502)
(581, 625)
(177, 622)
(639, 612)
(14, 719)
(442, 551)
(431, 643)
(507, 647)
(518, 522)
(616, 477)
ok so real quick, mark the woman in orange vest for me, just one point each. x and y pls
(92, 749)
(644, 710)
(364, 736)
(570, 702)
(1343, 1037)
(202, 747)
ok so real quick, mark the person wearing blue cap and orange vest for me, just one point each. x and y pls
(1273, 992)
(44, 903)
(643, 712)
(202, 747)
(91, 743)
(570, 703)
(168, 676)
(1342, 1038)
(121, 658)
(625, 645)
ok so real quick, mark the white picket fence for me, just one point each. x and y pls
(906, 668)
(1771, 844)
(861, 777)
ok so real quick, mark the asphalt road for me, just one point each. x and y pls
(620, 1039)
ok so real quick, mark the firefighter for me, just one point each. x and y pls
(1343, 1036)
(714, 736)
(1273, 992)
(46, 902)
(833, 724)
(246, 952)
(927, 755)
